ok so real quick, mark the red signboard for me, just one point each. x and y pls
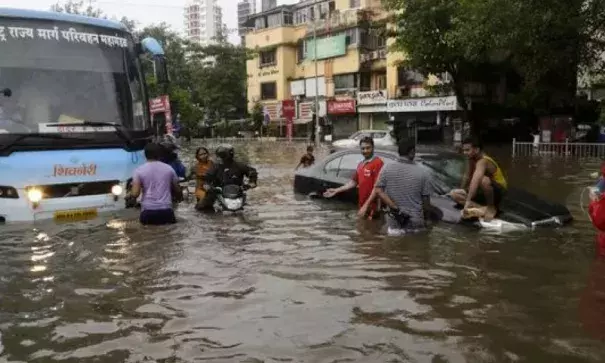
(162, 105)
(288, 109)
(159, 104)
(341, 107)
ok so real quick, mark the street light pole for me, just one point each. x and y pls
(316, 84)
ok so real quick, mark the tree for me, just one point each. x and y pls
(222, 81)
(204, 80)
(534, 46)
(423, 30)
(78, 8)
(257, 116)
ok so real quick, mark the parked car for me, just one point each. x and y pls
(518, 207)
(381, 138)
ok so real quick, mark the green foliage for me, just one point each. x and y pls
(601, 119)
(543, 42)
(257, 116)
(206, 82)
(78, 8)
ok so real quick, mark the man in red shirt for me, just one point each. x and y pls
(365, 177)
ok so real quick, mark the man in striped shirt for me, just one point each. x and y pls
(405, 188)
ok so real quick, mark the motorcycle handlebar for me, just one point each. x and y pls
(244, 187)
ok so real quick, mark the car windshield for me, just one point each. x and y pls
(452, 166)
(65, 73)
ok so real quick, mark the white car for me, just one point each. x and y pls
(381, 138)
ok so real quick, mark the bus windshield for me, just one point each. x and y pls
(62, 73)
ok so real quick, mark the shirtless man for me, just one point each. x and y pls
(482, 173)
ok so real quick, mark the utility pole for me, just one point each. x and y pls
(316, 84)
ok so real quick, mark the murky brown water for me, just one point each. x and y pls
(295, 280)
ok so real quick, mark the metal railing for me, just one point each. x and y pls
(567, 149)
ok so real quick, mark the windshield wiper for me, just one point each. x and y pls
(120, 130)
(41, 136)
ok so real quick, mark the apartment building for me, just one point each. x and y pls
(360, 84)
(268, 4)
(203, 20)
(245, 8)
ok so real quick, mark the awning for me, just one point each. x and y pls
(372, 108)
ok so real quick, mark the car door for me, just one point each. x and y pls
(327, 176)
(346, 170)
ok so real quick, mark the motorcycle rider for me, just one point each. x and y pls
(171, 157)
(227, 171)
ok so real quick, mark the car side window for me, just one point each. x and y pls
(348, 165)
(331, 167)
(379, 135)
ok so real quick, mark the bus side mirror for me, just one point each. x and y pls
(159, 69)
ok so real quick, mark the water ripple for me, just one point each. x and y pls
(300, 280)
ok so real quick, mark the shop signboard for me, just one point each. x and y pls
(328, 47)
(372, 97)
(341, 107)
(424, 104)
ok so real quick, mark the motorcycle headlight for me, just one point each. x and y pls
(233, 203)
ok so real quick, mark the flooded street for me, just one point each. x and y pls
(300, 280)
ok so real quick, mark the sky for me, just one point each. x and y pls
(146, 12)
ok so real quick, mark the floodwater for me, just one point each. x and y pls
(299, 280)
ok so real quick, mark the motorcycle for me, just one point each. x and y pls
(231, 198)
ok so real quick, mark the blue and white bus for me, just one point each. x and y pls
(74, 115)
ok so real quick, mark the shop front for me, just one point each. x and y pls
(372, 109)
(342, 114)
(425, 117)
(303, 123)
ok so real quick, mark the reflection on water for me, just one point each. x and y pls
(297, 280)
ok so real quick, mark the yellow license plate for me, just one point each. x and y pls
(75, 215)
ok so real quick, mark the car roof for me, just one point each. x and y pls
(422, 151)
(362, 131)
(53, 15)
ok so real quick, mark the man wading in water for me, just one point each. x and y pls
(158, 183)
(482, 173)
(364, 179)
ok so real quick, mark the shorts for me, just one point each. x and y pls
(157, 217)
(499, 192)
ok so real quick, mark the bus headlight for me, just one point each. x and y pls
(117, 190)
(34, 195)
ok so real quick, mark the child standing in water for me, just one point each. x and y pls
(199, 170)
(307, 159)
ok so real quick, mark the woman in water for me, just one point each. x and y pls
(592, 309)
(199, 170)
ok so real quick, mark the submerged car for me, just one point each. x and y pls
(519, 208)
(381, 138)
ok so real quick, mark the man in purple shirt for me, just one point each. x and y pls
(158, 182)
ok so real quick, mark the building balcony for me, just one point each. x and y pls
(339, 19)
(272, 36)
(373, 59)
